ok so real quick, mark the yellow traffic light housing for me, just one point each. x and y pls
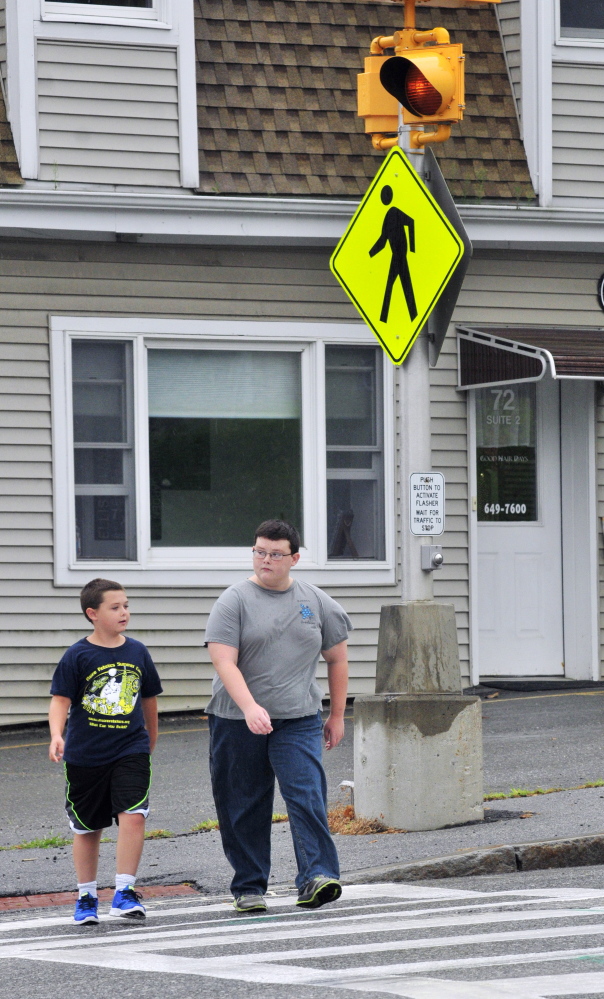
(428, 82)
(425, 76)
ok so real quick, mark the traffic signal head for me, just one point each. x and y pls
(428, 81)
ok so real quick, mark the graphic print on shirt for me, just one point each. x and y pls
(306, 612)
(111, 690)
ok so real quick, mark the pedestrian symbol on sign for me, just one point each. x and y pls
(393, 232)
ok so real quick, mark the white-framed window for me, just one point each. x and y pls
(135, 12)
(580, 23)
(174, 439)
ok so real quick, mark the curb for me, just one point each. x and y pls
(576, 851)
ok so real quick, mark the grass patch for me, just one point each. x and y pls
(209, 825)
(523, 792)
(39, 844)
(159, 834)
(343, 820)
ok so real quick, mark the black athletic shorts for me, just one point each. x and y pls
(96, 795)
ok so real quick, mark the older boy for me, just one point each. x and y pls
(265, 635)
(109, 686)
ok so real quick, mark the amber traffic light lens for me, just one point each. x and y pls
(422, 97)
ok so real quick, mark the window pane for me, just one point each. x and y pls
(96, 466)
(582, 18)
(350, 395)
(99, 398)
(355, 486)
(506, 453)
(225, 445)
(104, 476)
(224, 383)
(101, 528)
(349, 459)
(352, 519)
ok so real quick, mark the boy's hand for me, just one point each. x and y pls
(258, 720)
(55, 750)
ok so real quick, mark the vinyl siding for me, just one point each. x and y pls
(578, 135)
(533, 289)
(37, 620)
(108, 114)
(508, 15)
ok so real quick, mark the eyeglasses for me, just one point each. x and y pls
(274, 556)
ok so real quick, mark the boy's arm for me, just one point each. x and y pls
(57, 716)
(337, 679)
(224, 660)
(150, 716)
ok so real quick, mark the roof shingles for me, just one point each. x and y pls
(277, 100)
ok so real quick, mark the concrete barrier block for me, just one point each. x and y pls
(418, 760)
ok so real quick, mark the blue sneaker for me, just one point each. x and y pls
(127, 902)
(86, 910)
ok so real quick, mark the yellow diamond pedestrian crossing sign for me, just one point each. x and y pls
(397, 255)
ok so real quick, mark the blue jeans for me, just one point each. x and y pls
(243, 768)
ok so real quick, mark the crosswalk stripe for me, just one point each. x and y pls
(308, 928)
(514, 988)
(413, 916)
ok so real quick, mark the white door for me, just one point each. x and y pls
(520, 624)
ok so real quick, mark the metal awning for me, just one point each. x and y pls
(495, 355)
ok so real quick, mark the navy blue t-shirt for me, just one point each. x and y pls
(105, 687)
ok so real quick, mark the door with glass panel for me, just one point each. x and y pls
(519, 598)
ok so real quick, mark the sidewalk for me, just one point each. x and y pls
(531, 740)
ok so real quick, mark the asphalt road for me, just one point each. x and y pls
(526, 937)
(530, 741)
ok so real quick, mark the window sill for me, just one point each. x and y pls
(221, 574)
(126, 22)
(578, 50)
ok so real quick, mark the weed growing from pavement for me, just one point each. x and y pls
(159, 834)
(209, 825)
(522, 792)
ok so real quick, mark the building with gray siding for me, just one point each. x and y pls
(177, 362)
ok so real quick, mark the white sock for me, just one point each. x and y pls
(87, 887)
(124, 881)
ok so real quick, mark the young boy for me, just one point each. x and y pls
(109, 686)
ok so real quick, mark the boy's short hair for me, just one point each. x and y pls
(279, 530)
(94, 592)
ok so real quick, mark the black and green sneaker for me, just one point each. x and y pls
(318, 892)
(249, 903)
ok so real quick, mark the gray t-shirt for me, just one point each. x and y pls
(279, 634)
